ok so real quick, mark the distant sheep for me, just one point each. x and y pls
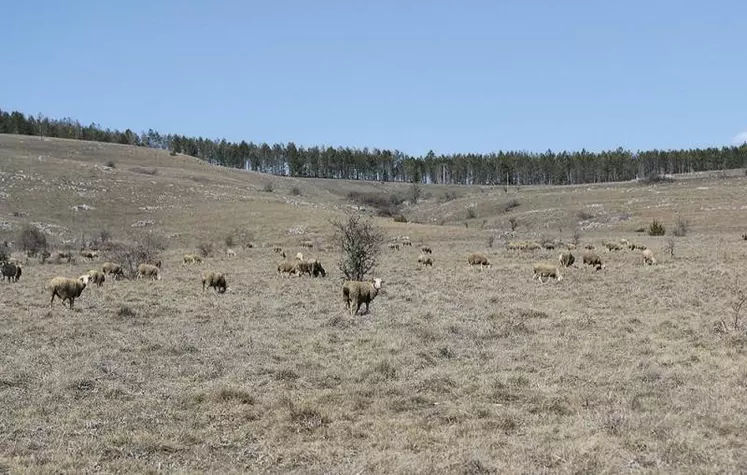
(590, 247)
(299, 256)
(215, 280)
(307, 244)
(394, 246)
(310, 267)
(67, 289)
(425, 261)
(593, 260)
(230, 252)
(286, 267)
(112, 269)
(89, 254)
(355, 293)
(406, 243)
(148, 271)
(648, 257)
(542, 271)
(96, 277)
(612, 246)
(566, 259)
(636, 247)
(11, 271)
(191, 259)
(63, 256)
(277, 249)
(476, 259)
(426, 250)
(624, 242)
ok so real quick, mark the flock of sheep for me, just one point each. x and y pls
(354, 293)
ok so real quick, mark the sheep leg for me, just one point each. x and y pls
(50, 302)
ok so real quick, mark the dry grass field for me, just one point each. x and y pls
(625, 370)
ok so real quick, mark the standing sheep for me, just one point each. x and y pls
(476, 259)
(96, 277)
(546, 271)
(188, 259)
(593, 260)
(406, 243)
(355, 293)
(112, 269)
(426, 250)
(307, 244)
(215, 280)
(67, 289)
(11, 271)
(394, 246)
(648, 257)
(566, 259)
(424, 261)
(299, 256)
(286, 267)
(310, 267)
(612, 246)
(277, 249)
(148, 271)
(230, 252)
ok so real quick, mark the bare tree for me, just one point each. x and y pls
(360, 242)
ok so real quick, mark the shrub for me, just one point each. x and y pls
(656, 228)
(32, 240)
(448, 196)
(206, 249)
(386, 205)
(584, 215)
(229, 240)
(269, 187)
(491, 240)
(400, 218)
(296, 191)
(640, 230)
(360, 242)
(4, 252)
(510, 204)
(415, 192)
(512, 223)
(471, 213)
(681, 226)
(145, 171)
(656, 177)
(111, 164)
(576, 238)
(130, 254)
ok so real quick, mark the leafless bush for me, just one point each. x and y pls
(269, 187)
(738, 301)
(681, 226)
(576, 238)
(32, 240)
(130, 254)
(4, 252)
(206, 249)
(491, 240)
(584, 215)
(670, 247)
(296, 191)
(513, 223)
(360, 242)
(509, 205)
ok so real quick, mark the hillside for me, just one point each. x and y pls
(629, 369)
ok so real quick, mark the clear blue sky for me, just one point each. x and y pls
(472, 76)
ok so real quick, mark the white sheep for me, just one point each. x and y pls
(96, 277)
(546, 271)
(299, 256)
(67, 289)
(148, 271)
(355, 293)
(648, 257)
(476, 258)
(230, 252)
(112, 269)
(425, 261)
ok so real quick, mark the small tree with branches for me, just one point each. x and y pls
(360, 242)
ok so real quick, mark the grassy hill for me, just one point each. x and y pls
(453, 370)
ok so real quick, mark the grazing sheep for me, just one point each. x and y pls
(612, 246)
(648, 257)
(426, 250)
(570, 246)
(149, 271)
(67, 289)
(566, 259)
(636, 247)
(89, 254)
(11, 271)
(196, 258)
(307, 244)
(188, 259)
(215, 280)
(230, 252)
(394, 246)
(96, 277)
(44, 256)
(546, 271)
(355, 293)
(549, 245)
(310, 267)
(425, 261)
(112, 269)
(63, 255)
(158, 263)
(624, 242)
(406, 243)
(590, 247)
(478, 259)
(299, 256)
(286, 267)
(277, 249)
(593, 260)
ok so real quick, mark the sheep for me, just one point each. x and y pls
(230, 252)
(287, 268)
(648, 257)
(355, 293)
(394, 246)
(478, 259)
(277, 249)
(406, 243)
(570, 246)
(307, 244)
(590, 247)
(426, 250)
(60, 255)
(546, 271)
(549, 245)
(96, 277)
(215, 280)
(11, 271)
(112, 269)
(566, 259)
(425, 261)
(148, 270)
(612, 246)
(636, 247)
(593, 260)
(188, 259)
(624, 242)
(67, 289)
(311, 267)
(299, 256)
(196, 258)
(89, 254)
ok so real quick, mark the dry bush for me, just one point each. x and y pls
(145, 171)
(360, 242)
(681, 226)
(512, 223)
(269, 187)
(509, 205)
(32, 240)
(400, 218)
(206, 249)
(111, 164)
(471, 213)
(386, 205)
(296, 191)
(656, 228)
(130, 254)
(4, 252)
(584, 215)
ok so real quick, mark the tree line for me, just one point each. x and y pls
(497, 168)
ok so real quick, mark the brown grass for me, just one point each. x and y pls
(453, 371)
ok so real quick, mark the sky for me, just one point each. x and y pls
(412, 75)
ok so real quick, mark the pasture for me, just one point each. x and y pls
(454, 370)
